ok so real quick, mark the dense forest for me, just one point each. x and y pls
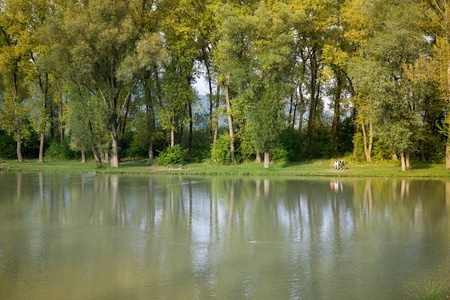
(287, 80)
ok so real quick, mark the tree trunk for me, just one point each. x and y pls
(447, 147)
(115, 148)
(216, 118)
(172, 137)
(151, 155)
(95, 151)
(83, 156)
(394, 156)
(266, 160)
(367, 144)
(230, 123)
(258, 157)
(447, 154)
(41, 147)
(301, 109)
(402, 157)
(312, 108)
(291, 116)
(407, 165)
(98, 161)
(336, 116)
(191, 128)
(61, 125)
(19, 151)
(211, 115)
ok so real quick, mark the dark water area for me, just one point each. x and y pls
(87, 236)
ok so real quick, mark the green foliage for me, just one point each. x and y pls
(221, 151)
(136, 149)
(288, 149)
(59, 151)
(7, 146)
(171, 156)
(321, 146)
(381, 150)
(359, 145)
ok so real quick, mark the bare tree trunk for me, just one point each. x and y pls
(258, 157)
(98, 161)
(367, 144)
(291, 116)
(83, 156)
(230, 123)
(402, 157)
(151, 155)
(61, 125)
(95, 151)
(17, 120)
(41, 147)
(312, 108)
(336, 116)
(266, 160)
(394, 156)
(216, 118)
(172, 137)
(19, 151)
(407, 165)
(211, 116)
(447, 153)
(447, 147)
(191, 128)
(115, 148)
(300, 115)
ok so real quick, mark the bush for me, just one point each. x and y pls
(8, 147)
(59, 151)
(288, 150)
(359, 144)
(280, 155)
(171, 156)
(136, 150)
(221, 150)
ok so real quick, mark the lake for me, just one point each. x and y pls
(88, 236)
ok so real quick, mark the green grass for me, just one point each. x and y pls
(308, 168)
(431, 290)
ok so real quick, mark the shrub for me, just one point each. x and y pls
(136, 149)
(7, 146)
(58, 151)
(280, 155)
(221, 150)
(171, 156)
(359, 144)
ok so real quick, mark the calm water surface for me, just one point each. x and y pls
(72, 236)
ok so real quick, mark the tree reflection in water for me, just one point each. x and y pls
(183, 237)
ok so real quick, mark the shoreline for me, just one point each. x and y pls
(313, 168)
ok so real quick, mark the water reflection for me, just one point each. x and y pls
(93, 236)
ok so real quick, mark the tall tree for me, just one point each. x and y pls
(273, 44)
(179, 72)
(437, 67)
(14, 65)
(98, 37)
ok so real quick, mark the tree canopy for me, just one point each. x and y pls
(293, 80)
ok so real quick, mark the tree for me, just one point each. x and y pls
(97, 38)
(437, 67)
(273, 43)
(396, 42)
(88, 130)
(234, 63)
(181, 47)
(14, 47)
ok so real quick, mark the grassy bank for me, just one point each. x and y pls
(309, 168)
